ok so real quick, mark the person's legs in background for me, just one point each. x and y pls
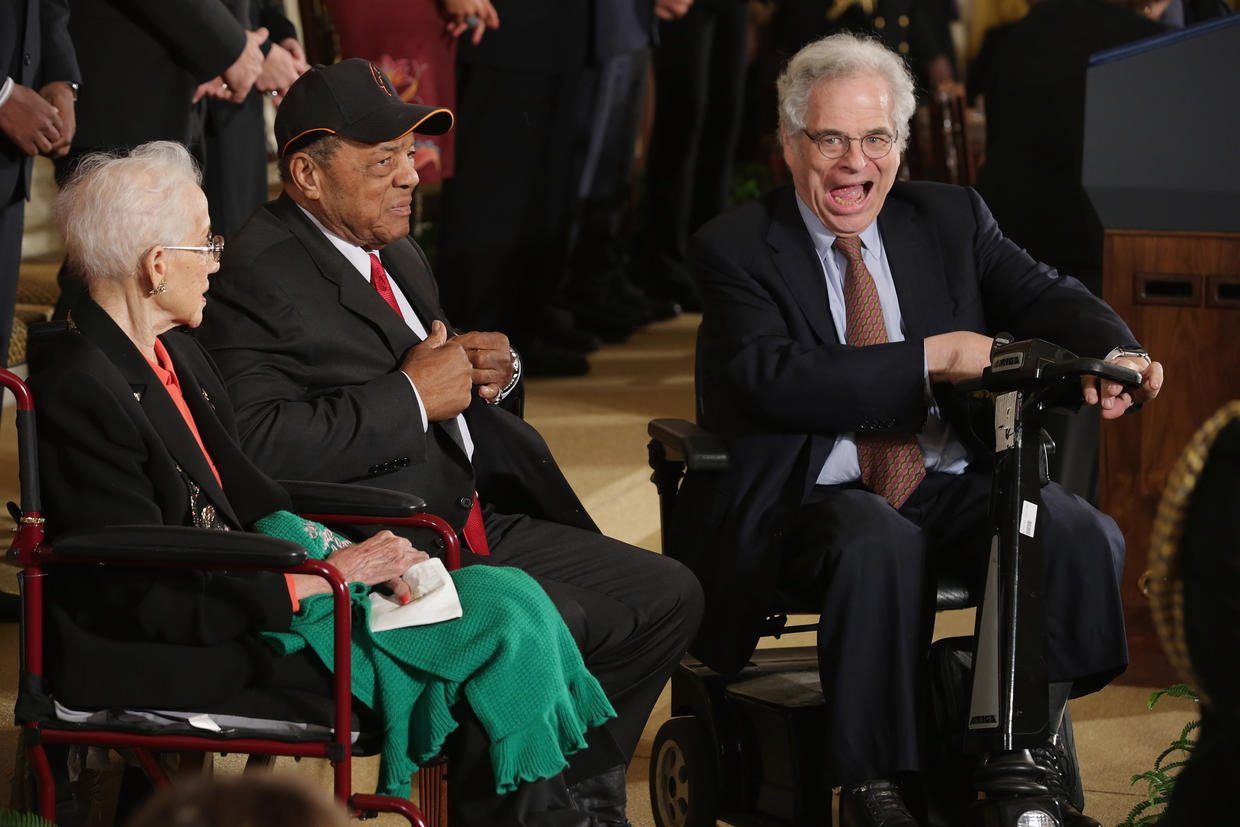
(12, 217)
(699, 84)
(503, 239)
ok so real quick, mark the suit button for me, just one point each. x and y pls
(465, 502)
(439, 544)
(26, 57)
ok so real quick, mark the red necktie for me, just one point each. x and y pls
(891, 464)
(378, 278)
(475, 533)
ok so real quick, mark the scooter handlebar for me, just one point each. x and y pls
(1000, 381)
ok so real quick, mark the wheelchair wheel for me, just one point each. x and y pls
(682, 775)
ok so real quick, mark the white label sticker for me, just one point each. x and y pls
(1028, 518)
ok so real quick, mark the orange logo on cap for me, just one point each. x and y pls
(378, 76)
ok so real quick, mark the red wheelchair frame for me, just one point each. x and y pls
(189, 548)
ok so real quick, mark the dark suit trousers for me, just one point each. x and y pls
(699, 86)
(235, 174)
(11, 220)
(871, 569)
(471, 785)
(503, 241)
(631, 611)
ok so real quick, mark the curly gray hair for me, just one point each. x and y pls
(844, 56)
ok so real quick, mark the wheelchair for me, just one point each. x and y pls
(305, 725)
(746, 749)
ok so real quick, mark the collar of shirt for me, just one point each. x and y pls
(360, 259)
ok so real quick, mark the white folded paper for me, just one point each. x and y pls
(434, 599)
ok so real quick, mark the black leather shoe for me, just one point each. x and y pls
(874, 804)
(1051, 759)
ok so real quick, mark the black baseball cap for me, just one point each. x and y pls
(353, 99)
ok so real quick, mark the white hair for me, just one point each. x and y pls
(116, 207)
(845, 56)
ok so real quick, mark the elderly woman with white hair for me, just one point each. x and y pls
(135, 427)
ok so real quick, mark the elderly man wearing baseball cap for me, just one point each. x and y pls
(326, 323)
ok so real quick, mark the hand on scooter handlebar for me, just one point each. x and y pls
(1114, 393)
(1034, 365)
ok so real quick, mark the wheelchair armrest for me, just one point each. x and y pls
(345, 499)
(683, 441)
(182, 545)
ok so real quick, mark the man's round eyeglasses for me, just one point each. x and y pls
(834, 145)
(214, 246)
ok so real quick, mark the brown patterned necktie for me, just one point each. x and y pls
(891, 464)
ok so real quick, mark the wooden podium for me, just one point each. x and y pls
(1180, 294)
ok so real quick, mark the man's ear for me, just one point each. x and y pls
(790, 147)
(306, 176)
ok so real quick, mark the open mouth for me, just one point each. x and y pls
(852, 195)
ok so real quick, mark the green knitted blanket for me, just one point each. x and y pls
(510, 655)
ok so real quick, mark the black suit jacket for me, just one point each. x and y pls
(311, 354)
(114, 450)
(141, 61)
(779, 387)
(34, 50)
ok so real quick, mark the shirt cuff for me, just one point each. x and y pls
(1129, 351)
(6, 89)
(421, 408)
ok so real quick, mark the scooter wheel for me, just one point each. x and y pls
(683, 779)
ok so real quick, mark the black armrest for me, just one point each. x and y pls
(696, 447)
(181, 545)
(344, 499)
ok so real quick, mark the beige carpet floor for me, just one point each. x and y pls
(596, 426)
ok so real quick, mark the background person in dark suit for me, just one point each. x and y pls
(1034, 94)
(235, 134)
(504, 236)
(597, 293)
(815, 413)
(37, 91)
(699, 85)
(144, 65)
(333, 380)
